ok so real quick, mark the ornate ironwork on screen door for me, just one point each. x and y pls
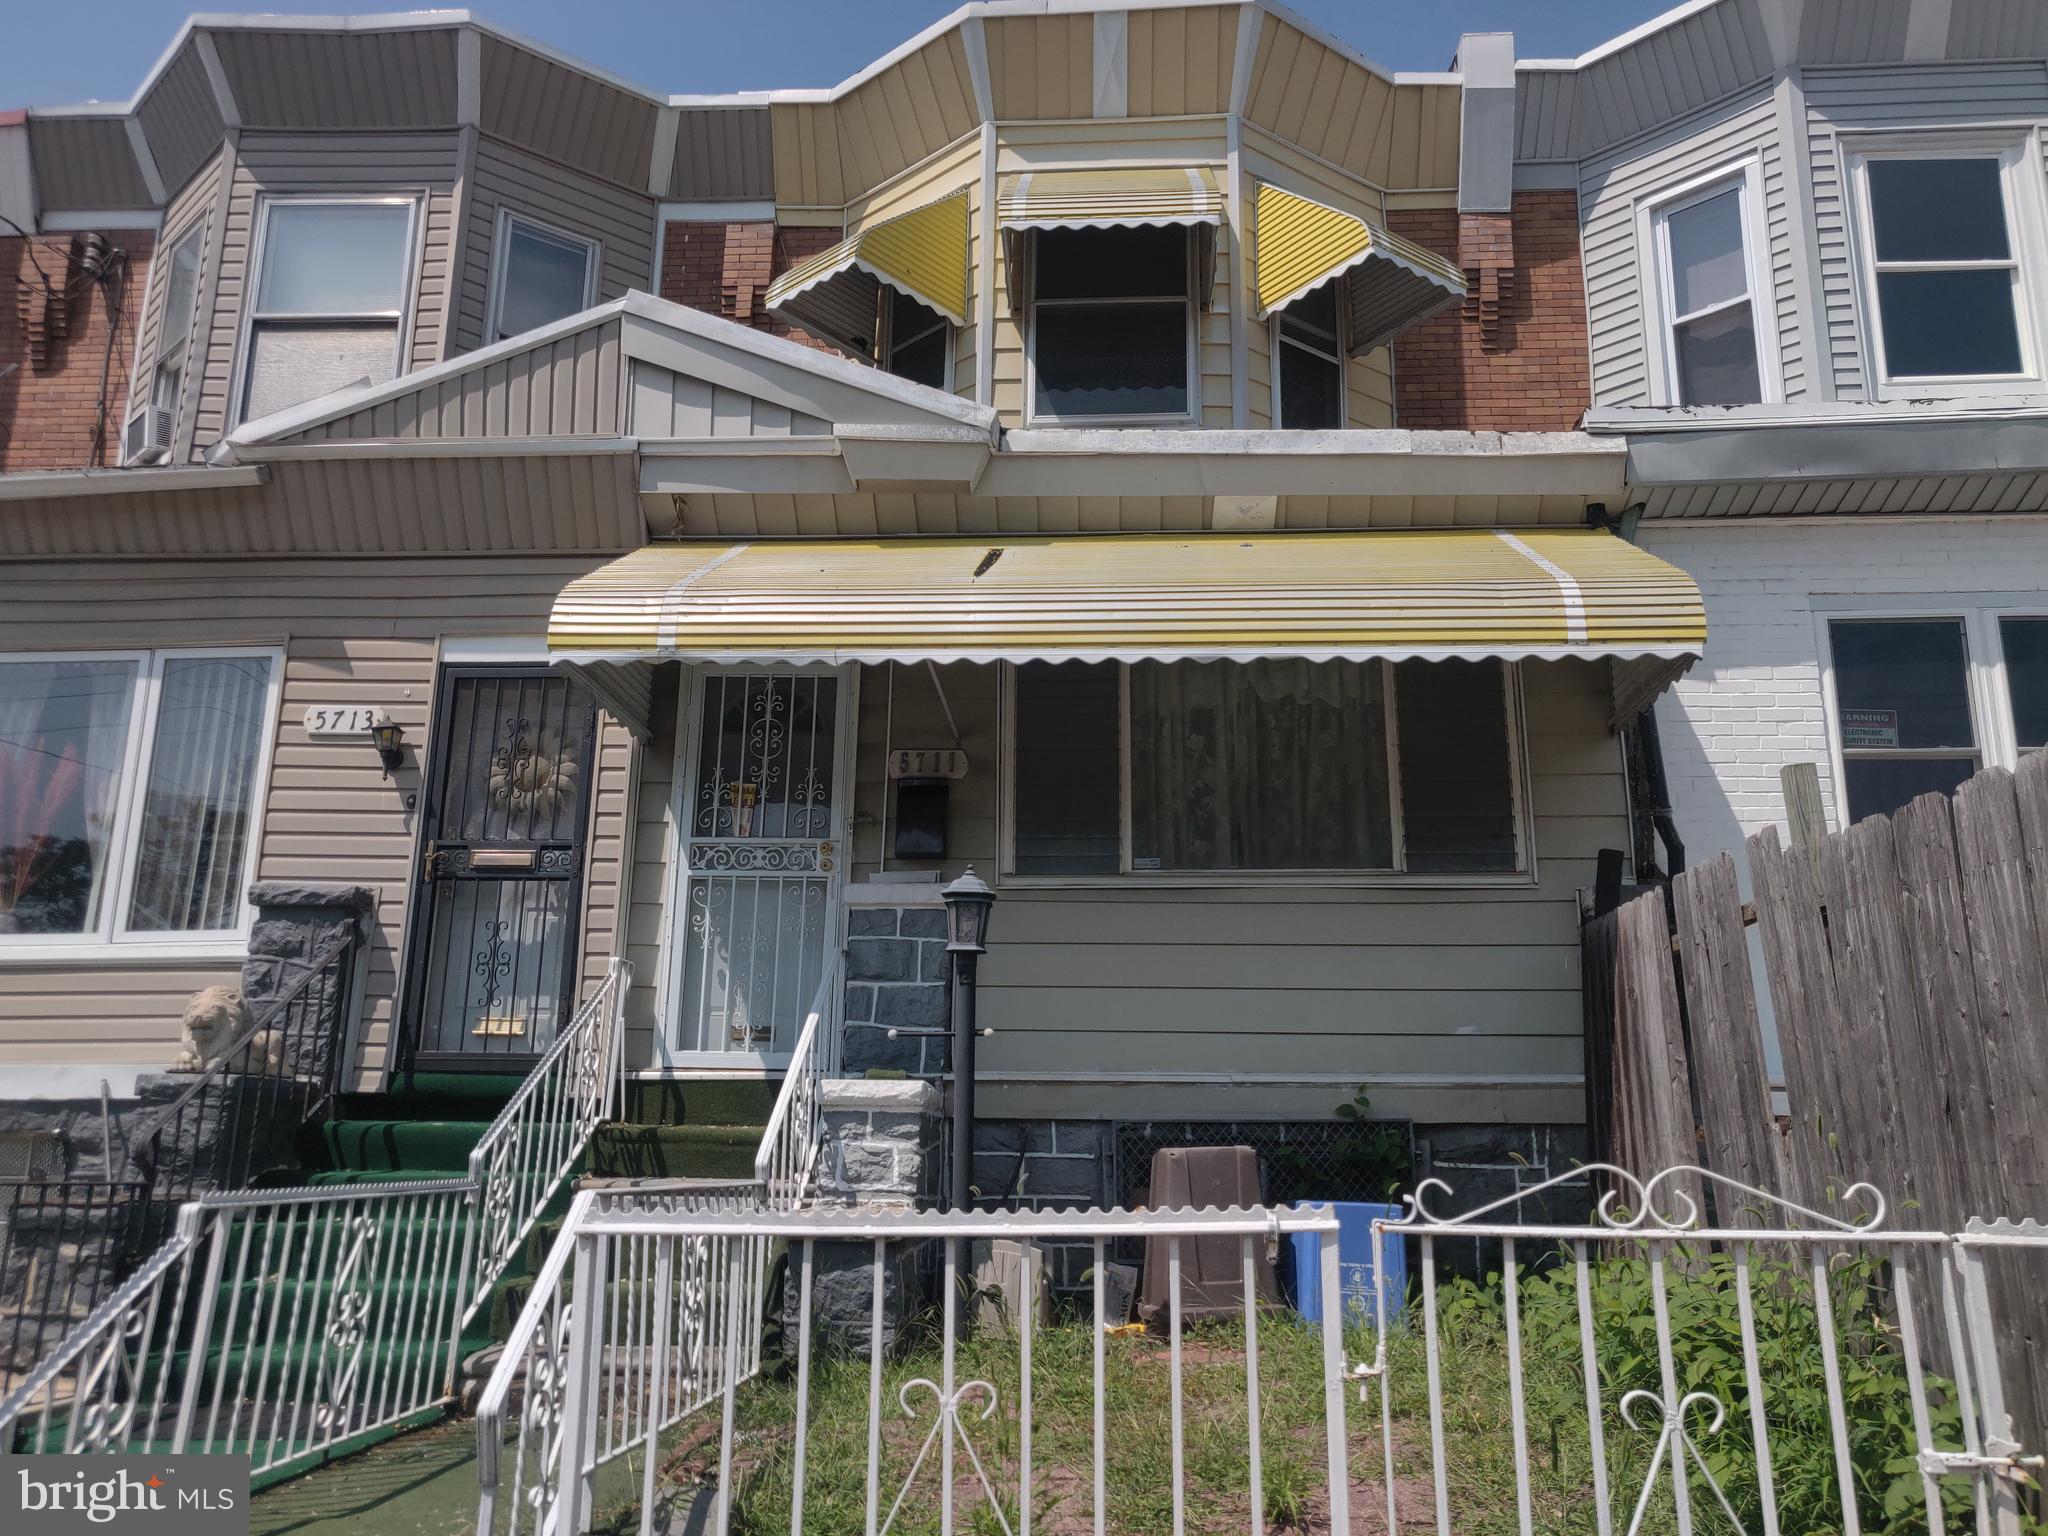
(760, 858)
(508, 818)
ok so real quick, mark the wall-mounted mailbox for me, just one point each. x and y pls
(921, 818)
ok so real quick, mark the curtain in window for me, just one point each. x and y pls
(1259, 765)
(193, 841)
(63, 736)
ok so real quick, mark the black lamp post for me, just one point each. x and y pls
(968, 902)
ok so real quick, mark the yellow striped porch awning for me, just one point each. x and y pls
(1436, 593)
(922, 253)
(1298, 245)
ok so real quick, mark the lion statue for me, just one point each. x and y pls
(215, 1018)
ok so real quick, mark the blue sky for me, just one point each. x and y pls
(70, 52)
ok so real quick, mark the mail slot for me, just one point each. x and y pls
(501, 858)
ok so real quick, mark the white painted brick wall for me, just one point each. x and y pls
(1755, 702)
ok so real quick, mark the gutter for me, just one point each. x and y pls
(58, 484)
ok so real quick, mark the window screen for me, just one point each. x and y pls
(1109, 329)
(1457, 785)
(1067, 797)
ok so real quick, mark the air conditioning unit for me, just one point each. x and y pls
(148, 437)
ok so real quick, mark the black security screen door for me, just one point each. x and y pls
(501, 878)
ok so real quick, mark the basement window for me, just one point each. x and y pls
(1112, 334)
(1195, 771)
(543, 275)
(333, 279)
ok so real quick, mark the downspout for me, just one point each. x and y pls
(1644, 745)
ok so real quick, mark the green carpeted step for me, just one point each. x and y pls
(702, 1101)
(674, 1151)
(425, 1148)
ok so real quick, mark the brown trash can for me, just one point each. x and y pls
(1211, 1268)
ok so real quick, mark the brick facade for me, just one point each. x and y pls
(1514, 358)
(53, 347)
(1758, 698)
(725, 269)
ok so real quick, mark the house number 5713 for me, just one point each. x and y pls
(343, 719)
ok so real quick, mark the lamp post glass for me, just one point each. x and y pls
(968, 901)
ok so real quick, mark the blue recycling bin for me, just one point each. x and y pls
(1354, 1263)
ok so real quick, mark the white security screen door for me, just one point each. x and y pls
(762, 814)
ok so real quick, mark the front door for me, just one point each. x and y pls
(762, 816)
(501, 882)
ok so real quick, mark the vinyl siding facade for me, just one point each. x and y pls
(352, 632)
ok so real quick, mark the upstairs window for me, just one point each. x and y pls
(330, 298)
(916, 340)
(1275, 768)
(1942, 268)
(1112, 324)
(1708, 294)
(543, 275)
(1308, 353)
(151, 429)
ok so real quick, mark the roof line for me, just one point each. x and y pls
(1628, 39)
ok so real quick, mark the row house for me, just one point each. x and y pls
(1135, 451)
(1813, 241)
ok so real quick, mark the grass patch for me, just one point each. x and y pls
(1481, 1460)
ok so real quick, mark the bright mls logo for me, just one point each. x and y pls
(159, 1495)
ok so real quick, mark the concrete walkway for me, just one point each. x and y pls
(421, 1484)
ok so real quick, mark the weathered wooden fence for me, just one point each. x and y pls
(1906, 960)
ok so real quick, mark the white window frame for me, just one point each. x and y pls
(1033, 417)
(501, 263)
(885, 335)
(400, 320)
(1653, 216)
(111, 940)
(1524, 874)
(1277, 345)
(168, 351)
(2018, 153)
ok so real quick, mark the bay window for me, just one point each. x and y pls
(1269, 768)
(542, 275)
(1708, 303)
(1308, 353)
(129, 790)
(332, 279)
(1111, 329)
(917, 341)
(1943, 287)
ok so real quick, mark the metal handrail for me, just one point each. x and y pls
(538, 1135)
(519, 1343)
(789, 1142)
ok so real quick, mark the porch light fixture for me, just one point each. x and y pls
(389, 737)
(968, 901)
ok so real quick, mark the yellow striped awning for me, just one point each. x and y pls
(922, 253)
(1451, 592)
(1298, 245)
(1096, 199)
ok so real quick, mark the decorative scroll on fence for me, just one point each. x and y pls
(1906, 962)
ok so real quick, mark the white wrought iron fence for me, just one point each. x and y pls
(673, 1309)
(282, 1322)
(790, 1144)
(1783, 1371)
